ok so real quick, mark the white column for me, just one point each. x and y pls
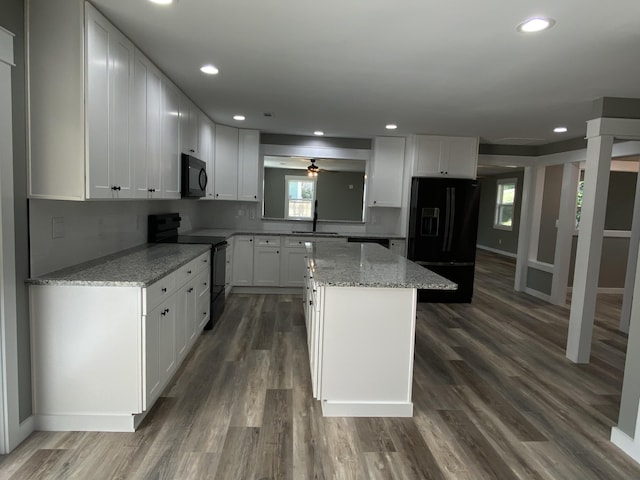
(585, 283)
(564, 234)
(531, 206)
(9, 415)
(630, 278)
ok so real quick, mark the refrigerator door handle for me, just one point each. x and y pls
(447, 219)
(452, 195)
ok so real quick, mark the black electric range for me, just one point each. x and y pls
(163, 228)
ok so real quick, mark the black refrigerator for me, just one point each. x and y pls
(443, 227)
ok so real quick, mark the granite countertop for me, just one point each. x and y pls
(222, 232)
(137, 267)
(369, 265)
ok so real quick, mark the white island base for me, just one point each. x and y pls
(364, 346)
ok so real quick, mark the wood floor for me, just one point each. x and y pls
(494, 397)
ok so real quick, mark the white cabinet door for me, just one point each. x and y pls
(189, 127)
(387, 170)
(463, 157)
(248, 164)
(292, 266)
(168, 358)
(170, 140)
(266, 266)
(398, 246)
(225, 175)
(147, 128)
(228, 273)
(152, 377)
(110, 66)
(454, 157)
(243, 260)
(207, 142)
(185, 318)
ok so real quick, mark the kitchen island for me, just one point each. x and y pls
(360, 311)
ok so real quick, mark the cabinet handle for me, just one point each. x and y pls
(310, 302)
(375, 201)
(205, 284)
(255, 196)
(189, 272)
(164, 312)
(152, 190)
(190, 290)
(277, 251)
(217, 194)
(116, 187)
(251, 239)
(192, 150)
(164, 290)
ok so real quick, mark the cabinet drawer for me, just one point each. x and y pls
(203, 310)
(202, 283)
(154, 294)
(267, 241)
(191, 269)
(295, 242)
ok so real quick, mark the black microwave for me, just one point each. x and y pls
(194, 177)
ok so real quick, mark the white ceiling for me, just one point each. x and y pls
(349, 67)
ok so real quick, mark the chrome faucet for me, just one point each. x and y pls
(315, 215)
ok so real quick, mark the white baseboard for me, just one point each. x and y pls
(495, 250)
(625, 443)
(537, 294)
(366, 409)
(269, 290)
(88, 423)
(612, 290)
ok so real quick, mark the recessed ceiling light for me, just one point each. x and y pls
(318, 132)
(162, 2)
(238, 117)
(209, 69)
(536, 24)
(391, 126)
(560, 129)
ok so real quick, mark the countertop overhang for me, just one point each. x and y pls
(369, 265)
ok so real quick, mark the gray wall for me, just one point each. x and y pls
(504, 240)
(12, 18)
(336, 201)
(622, 191)
(550, 211)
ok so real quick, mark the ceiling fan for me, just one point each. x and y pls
(313, 169)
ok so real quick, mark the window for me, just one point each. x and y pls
(504, 203)
(299, 195)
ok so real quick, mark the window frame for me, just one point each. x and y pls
(298, 178)
(500, 183)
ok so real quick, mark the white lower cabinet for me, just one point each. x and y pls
(103, 354)
(292, 262)
(243, 260)
(266, 261)
(398, 246)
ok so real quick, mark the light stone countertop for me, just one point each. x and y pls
(137, 267)
(227, 232)
(369, 265)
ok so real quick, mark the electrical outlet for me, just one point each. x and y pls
(57, 227)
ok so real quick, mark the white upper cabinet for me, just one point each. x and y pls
(146, 117)
(386, 172)
(248, 164)
(438, 156)
(207, 142)
(110, 66)
(225, 173)
(170, 154)
(189, 127)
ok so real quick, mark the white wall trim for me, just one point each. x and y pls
(607, 290)
(495, 250)
(542, 266)
(315, 151)
(537, 294)
(617, 127)
(625, 443)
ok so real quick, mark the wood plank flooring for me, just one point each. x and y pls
(494, 397)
